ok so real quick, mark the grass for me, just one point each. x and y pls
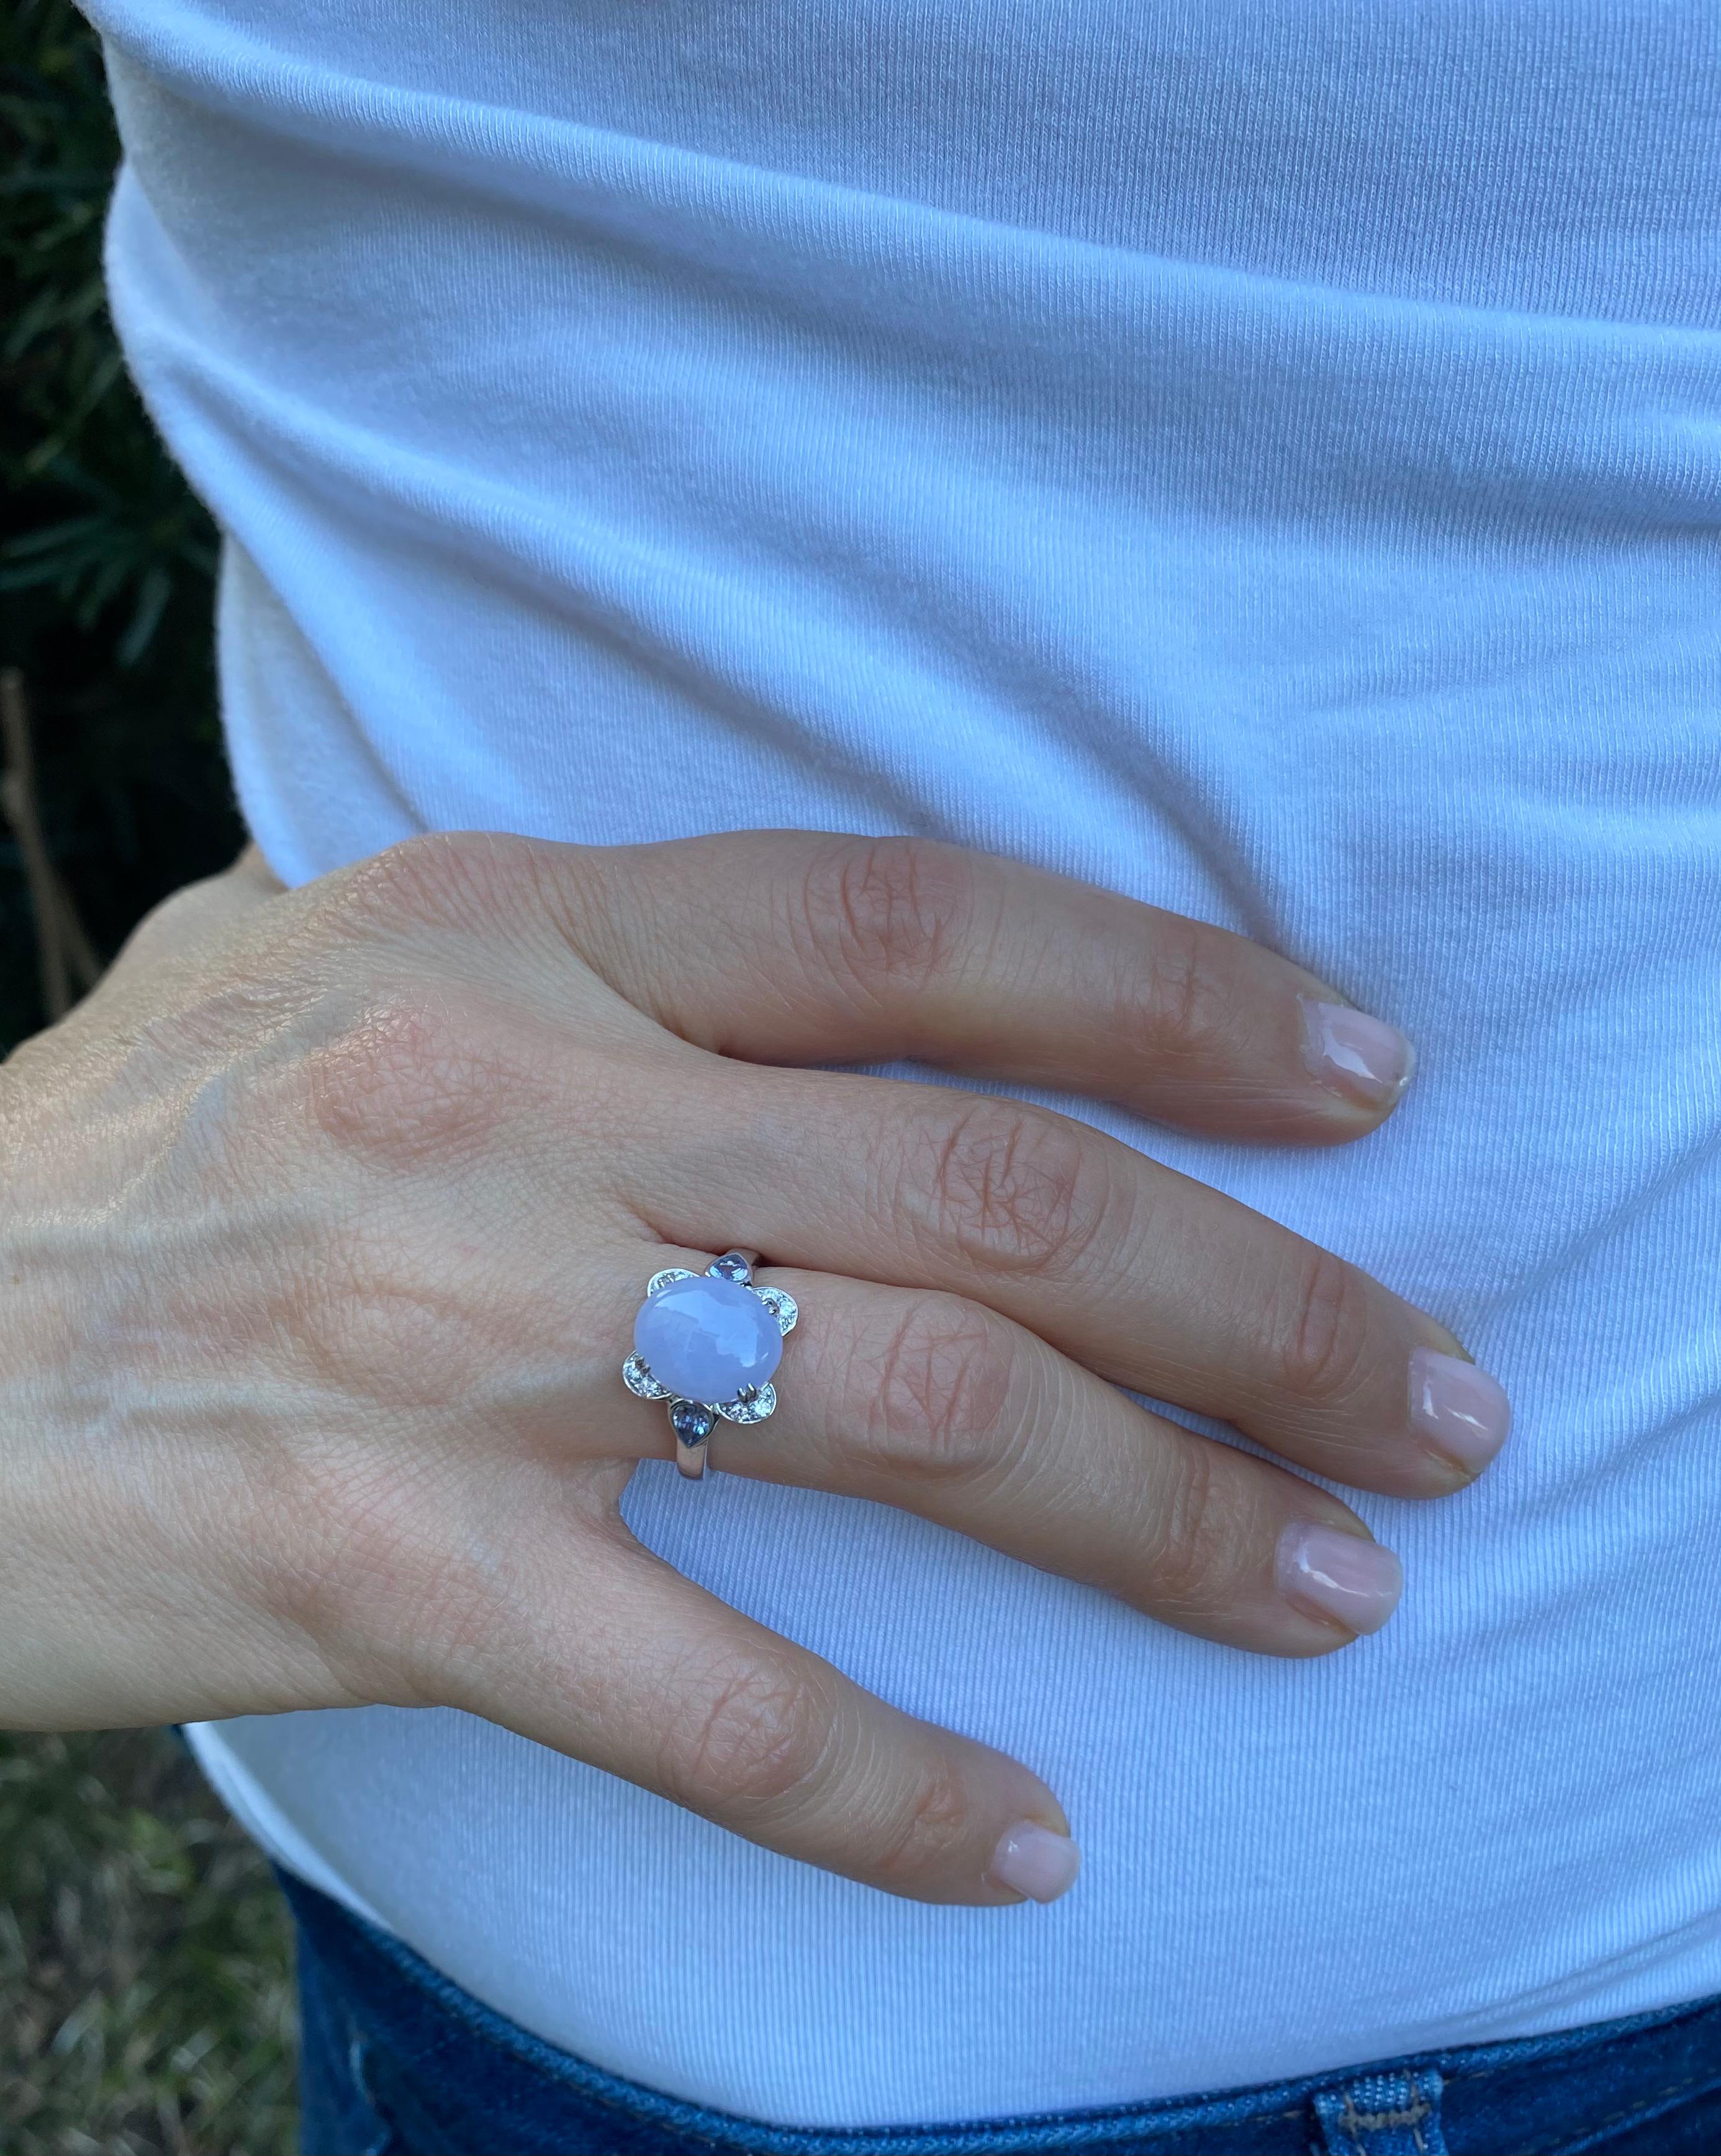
(145, 2001)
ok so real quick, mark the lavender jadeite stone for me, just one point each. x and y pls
(705, 1338)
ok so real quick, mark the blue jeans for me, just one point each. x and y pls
(399, 2062)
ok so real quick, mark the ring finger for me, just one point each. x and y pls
(1143, 1275)
(939, 1405)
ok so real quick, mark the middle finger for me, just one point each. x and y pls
(1147, 1277)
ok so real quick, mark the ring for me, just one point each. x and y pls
(709, 1343)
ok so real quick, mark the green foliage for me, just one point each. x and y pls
(146, 2008)
(106, 559)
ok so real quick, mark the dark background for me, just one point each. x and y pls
(106, 561)
(145, 1996)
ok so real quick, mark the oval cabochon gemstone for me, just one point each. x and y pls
(704, 1338)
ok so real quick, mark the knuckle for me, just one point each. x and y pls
(1015, 1189)
(416, 1079)
(937, 1385)
(939, 1821)
(757, 1739)
(1321, 1333)
(438, 879)
(887, 914)
(1194, 1553)
(1178, 1006)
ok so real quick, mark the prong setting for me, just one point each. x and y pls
(640, 1381)
(781, 1304)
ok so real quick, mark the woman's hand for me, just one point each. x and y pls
(326, 1217)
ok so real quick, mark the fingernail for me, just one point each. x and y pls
(1329, 1573)
(1033, 1861)
(1460, 1410)
(1350, 1053)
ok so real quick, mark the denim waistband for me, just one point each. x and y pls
(427, 2068)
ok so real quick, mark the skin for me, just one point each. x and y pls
(327, 1217)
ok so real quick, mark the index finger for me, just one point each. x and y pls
(794, 946)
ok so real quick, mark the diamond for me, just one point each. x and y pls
(640, 1381)
(781, 1304)
(753, 1403)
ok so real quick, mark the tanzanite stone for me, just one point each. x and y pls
(704, 1338)
(691, 1423)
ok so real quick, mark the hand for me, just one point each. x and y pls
(327, 1215)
